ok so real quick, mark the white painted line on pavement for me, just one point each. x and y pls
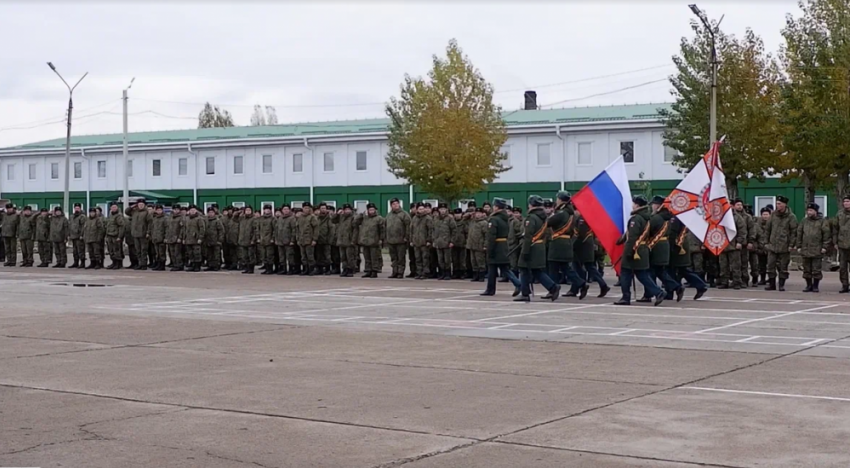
(747, 322)
(748, 392)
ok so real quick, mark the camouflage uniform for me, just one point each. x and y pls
(308, 226)
(265, 235)
(322, 250)
(158, 231)
(193, 238)
(841, 239)
(813, 238)
(398, 239)
(140, 225)
(26, 234)
(284, 238)
(781, 239)
(372, 235)
(247, 241)
(213, 239)
(345, 242)
(475, 243)
(42, 237)
(9, 230)
(444, 231)
(59, 238)
(422, 233)
(94, 231)
(730, 258)
(459, 249)
(115, 231)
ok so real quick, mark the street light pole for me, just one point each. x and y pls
(66, 200)
(712, 132)
(126, 198)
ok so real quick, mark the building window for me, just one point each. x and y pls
(821, 200)
(157, 167)
(104, 207)
(506, 152)
(296, 204)
(237, 165)
(54, 171)
(585, 154)
(434, 203)
(329, 162)
(34, 207)
(207, 206)
(360, 206)
(238, 204)
(53, 207)
(211, 165)
(78, 170)
(129, 168)
(543, 156)
(182, 166)
(361, 160)
(297, 163)
(627, 151)
(32, 169)
(762, 202)
(101, 169)
(10, 172)
(267, 164)
(669, 154)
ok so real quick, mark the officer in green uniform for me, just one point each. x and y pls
(444, 233)
(42, 238)
(373, 234)
(680, 261)
(813, 237)
(26, 234)
(59, 226)
(94, 232)
(635, 260)
(781, 240)
(658, 243)
(115, 231)
(213, 239)
(584, 254)
(560, 249)
(498, 261)
(514, 233)
(422, 234)
(398, 237)
(532, 256)
(9, 230)
(841, 239)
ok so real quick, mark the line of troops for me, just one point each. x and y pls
(439, 243)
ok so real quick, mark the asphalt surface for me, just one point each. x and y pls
(154, 369)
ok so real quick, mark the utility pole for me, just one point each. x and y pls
(712, 30)
(126, 199)
(66, 200)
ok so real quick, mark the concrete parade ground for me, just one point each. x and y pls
(104, 369)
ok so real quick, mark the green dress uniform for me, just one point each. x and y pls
(59, 226)
(635, 261)
(398, 240)
(532, 257)
(560, 254)
(498, 260)
(813, 238)
(115, 231)
(781, 240)
(514, 232)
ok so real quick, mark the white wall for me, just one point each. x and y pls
(563, 164)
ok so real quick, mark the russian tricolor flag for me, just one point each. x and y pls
(606, 204)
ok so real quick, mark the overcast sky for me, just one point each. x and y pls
(329, 60)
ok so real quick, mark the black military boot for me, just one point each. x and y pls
(808, 285)
(91, 265)
(281, 270)
(844, 290)
(348, 273)
(771, 284)
(781, 285)
(197, 267)
(74, 265)
(367, 274)
(474, 278)
(762, 280)
(268, 269)
(816, 286)
(412, 274)
(97, 265)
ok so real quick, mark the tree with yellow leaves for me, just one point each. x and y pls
(445, 132)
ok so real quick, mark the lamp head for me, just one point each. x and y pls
(50, 64)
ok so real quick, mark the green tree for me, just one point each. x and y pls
(445, 132)
(212, 116)
(748, 92)
(816, 105)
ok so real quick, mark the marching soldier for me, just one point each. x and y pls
(532, 258)
(59, 237)
(730, 258)
(813, 237)
(680, 260)
(444, 232)
(584, 254)
(635, 260)
(560, 249)
(398, 237)
(42, 237)
(213, 239)
(94, 232)
(26, 234)
(514, 234)
(157, 239)
(115, 232)
(841, 239)
(372, 236)
(265, 236)
(9, 230)
(140, 225)
(497, 248)
(459, 245)
(345, 242)
(308, 231)
(247, 240)
(422, 233)
(659, 248)
(781, 239)
(475, 244)
(193, 239)
(284, 239)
